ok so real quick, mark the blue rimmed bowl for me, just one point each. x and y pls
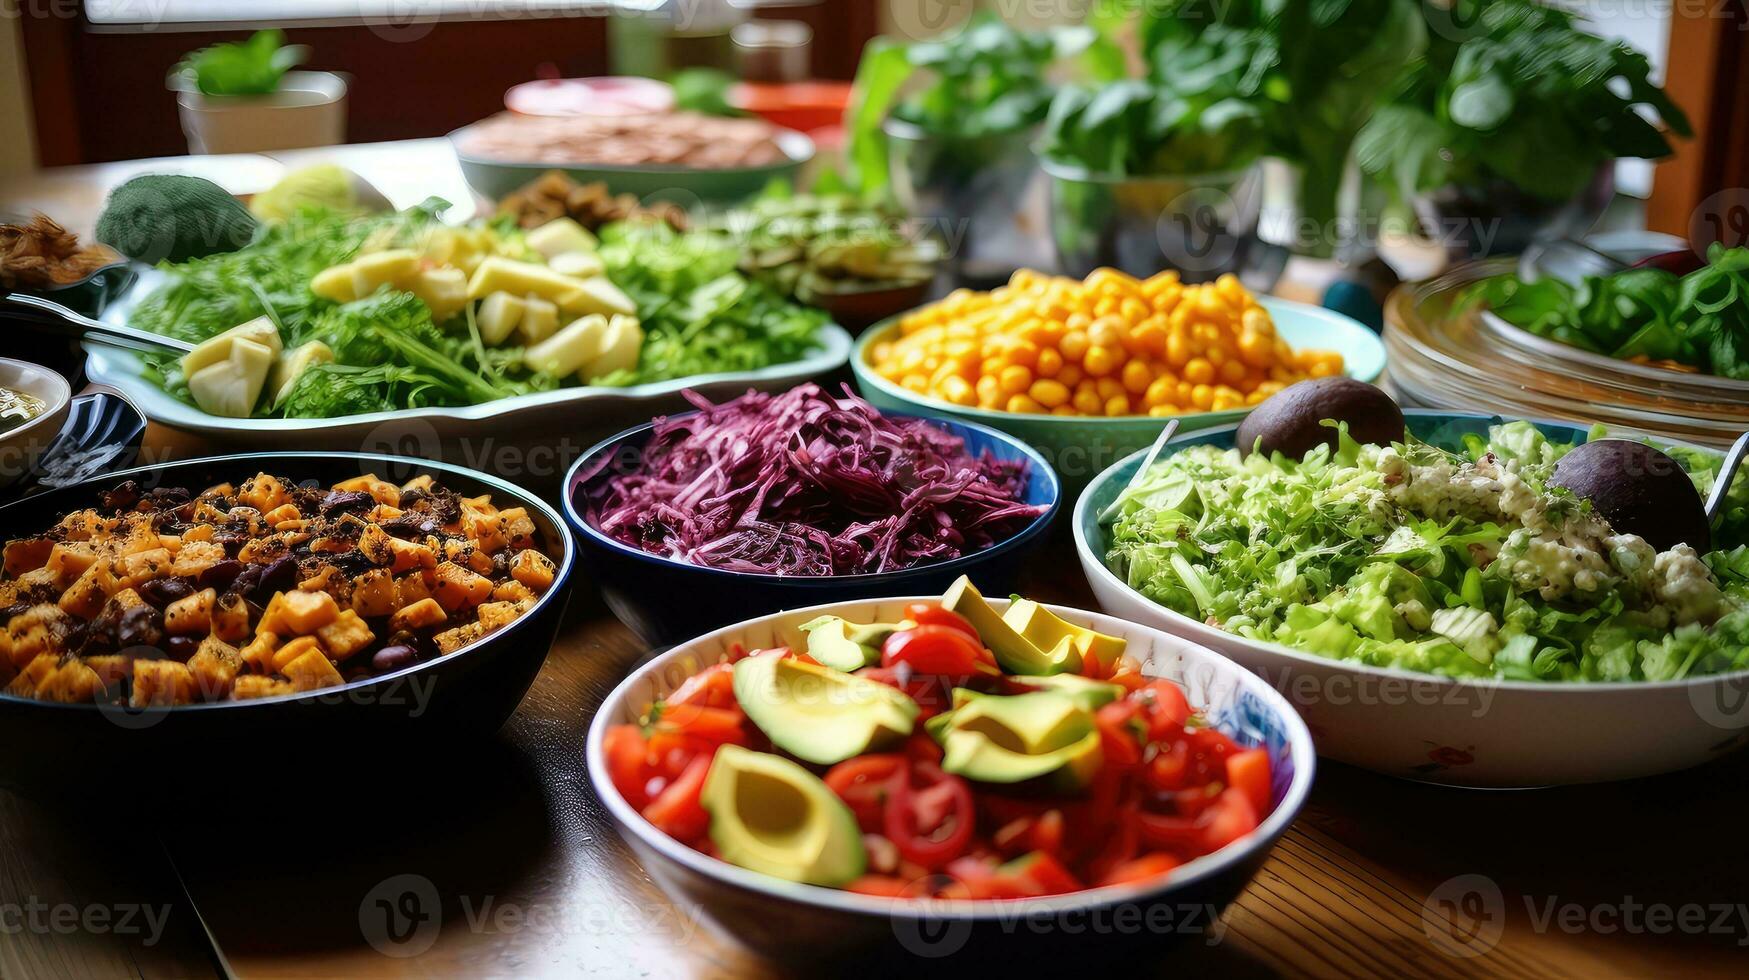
(666, 601)
(1079, 447)
(1456, 731)
(808, 924)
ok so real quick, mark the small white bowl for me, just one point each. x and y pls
(20, 448)
(808, 923)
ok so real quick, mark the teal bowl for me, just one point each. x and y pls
(1078, 448)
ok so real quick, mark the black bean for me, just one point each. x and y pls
(139, 626)
(220, 574)
(162, 592)
(279, 576)
(392, 658)
(16, 609)
(409, 527)
(247, 580)
(181, 647)
(122, 497)
(412, 496)
(347, 501)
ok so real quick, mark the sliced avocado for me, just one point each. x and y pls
(1045, 629)
(1014, 652)
(772, 816)
(1086, 692)
(843, 645)
(819, 714)
(1010, 739)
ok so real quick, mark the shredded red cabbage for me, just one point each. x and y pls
(805, 484)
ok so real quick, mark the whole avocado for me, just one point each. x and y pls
(1291, 421)
(1638, 490)
(173, 217)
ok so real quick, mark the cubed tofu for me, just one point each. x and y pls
(294, 649)
(191, 613)
(303, 613)
(540, 319)
(346, 635)
(162, 683)
(373, 593)
(409, 555)
(419, 615)
(311, 672)
(498, 317)
(533, 569)
(459, 589)
(251, 686)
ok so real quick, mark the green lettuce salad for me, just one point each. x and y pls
(1462, 564)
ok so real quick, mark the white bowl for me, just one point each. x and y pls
(805, 922)
(1459, 732)
(20, 448)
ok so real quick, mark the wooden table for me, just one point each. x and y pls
(522, 873)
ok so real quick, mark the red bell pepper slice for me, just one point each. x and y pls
(677, 812)
(1248, 772)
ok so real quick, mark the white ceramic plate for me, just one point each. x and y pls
(1461, 732)
(21, 447)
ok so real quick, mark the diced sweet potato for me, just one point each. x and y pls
(73, 683)
(410, 555)
(263, 492)
(141, 539)
(83, 525)
(261, 551)
(518, 527)
(162, 683)
(25, 554)
(292, 650)
(382, 491)
(200, 532)
(494, 615)
(373, 593)
(191, 613)
(281, 514)
(410, 589)
(196, 556)
(34, 672)
(419, 615)
(346, 635)
(449, 641)
(140, 567)
(532, 569)
(423, 481)
(215, 666)
(251, 686)
(112, 668)
(322, 581)
(485, 529)
(459, 589)
(69, 560)
(86, 596)
(311, 671)
(170, 542)
(304, 613)
(513, 591)
(231, 618)
(257, 654)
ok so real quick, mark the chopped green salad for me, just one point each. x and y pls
(1408, 556)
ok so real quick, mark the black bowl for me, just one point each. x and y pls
(100, 749)
(666, 601)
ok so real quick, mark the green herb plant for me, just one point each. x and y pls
(251, 67)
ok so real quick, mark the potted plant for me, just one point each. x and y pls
(1510, 128)
(243, 97)
(945, 127)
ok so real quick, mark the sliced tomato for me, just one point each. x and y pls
(1165, 706)
(712, 687)
(1210, 750)
(1230, 818)
(881, 886)
(978, 878)
(1041, 874)
(715, 725)
(934, 614)
(921, 748)
(677, 812)
(1117, 723)
(1248, 772)
(626, 752)
(670, 752)
(863, 783)
(1140, 869)
(1172, 832)
(942, 651)
(1118, 845)
(929, 815)
(1170, 767)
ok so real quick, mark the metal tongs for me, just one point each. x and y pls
(1715, 501)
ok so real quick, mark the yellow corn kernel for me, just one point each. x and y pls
(1107, 331)
(1160, 391)
(989, 391)
(1202, 397)
(1088, 402)
(1161, 411)
(1257, 321)
(1065, 410)
(1074, 345)
(1101, 360)
(1199, 371)
(1071, 374)
(1255, 348)
(959, 391)
(1049, 363)
(1233, 372)
(1117, 405)
(1136, 376)
(1022, 403)
(1014, 379)
(1178, 351)
(1049, 393)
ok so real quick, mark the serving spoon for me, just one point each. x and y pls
(1715, 501)
(44, 314)
(1148, 461)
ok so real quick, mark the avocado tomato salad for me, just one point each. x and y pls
(1468, 563)
(959, 753)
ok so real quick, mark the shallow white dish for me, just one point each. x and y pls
(21, 447)
(575, 410)
(794, 921)
(1460, 732)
